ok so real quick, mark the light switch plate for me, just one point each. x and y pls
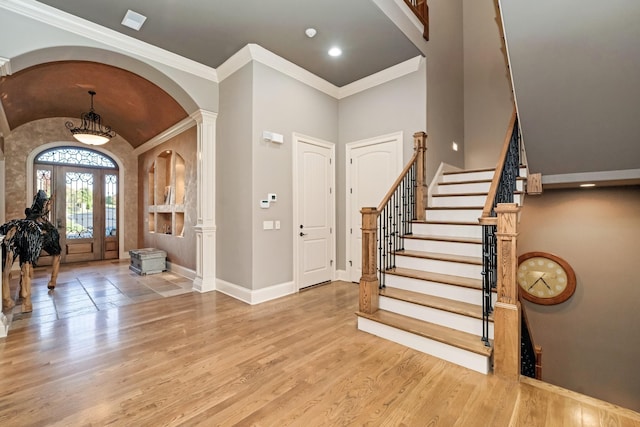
(267, 225)
(264, 204)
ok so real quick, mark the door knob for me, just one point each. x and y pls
(302, 234)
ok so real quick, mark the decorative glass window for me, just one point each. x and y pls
(76, 156)
(111, 204)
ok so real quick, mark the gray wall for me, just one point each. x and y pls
(283, 105)
(445, 94)
(488, 102)
(234, 179)
(591, 342)
(398, 105)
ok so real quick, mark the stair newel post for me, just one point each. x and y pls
(420, 145)
(369, 283)
(506, 315)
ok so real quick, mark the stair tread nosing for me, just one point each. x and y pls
(476, 181)
(429, 276)
(467, 194)
(443, 238)
(439, 303)
(441, 257)
(439, 333)
(446, 222)
(455, 172)
(455, 208)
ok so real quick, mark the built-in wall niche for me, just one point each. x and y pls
(167, 194)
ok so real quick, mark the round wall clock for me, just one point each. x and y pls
(545, 278)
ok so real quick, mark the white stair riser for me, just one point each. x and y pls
(443, 351)
(443, 247)
(450, 230)
(472, 176)
(437, 266)
(457, 321)
(443, 290)
(454, 215)
(455, 201)
(470, 187)
(467, 176)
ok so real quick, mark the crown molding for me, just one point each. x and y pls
(254, 52)
(115, 40)
(174, 130)
(396, 71)
(5, 67)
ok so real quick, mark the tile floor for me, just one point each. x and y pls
(84, 288)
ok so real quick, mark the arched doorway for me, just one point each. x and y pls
(84, 184)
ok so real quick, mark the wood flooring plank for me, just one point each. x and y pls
(208, 359)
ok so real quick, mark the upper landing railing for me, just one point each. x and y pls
(421, 10)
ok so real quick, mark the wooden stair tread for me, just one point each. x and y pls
(444, 238)
(444, 304)
(442, 257)
(443, 334)
(448, 279)
(467, 194)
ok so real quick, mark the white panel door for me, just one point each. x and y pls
(372, 167)
(315, 214)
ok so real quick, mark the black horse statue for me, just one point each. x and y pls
(25, 239)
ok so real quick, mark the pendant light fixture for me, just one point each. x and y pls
(91, 131)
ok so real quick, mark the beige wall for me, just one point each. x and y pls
(181, 250)
(28, 137)
(488, 102)
(591, 342)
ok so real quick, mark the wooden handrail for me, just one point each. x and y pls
(421, 10)
(488, 205)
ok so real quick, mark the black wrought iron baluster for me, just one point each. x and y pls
(381, 254)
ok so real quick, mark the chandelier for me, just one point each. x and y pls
(91, 132)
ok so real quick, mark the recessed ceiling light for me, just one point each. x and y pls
(310, 32)
(335, 51)
(587, 185)
(133, 20)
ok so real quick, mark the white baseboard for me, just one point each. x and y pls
(342, 275)
(254, 296)
(4, 325)
(183, 271)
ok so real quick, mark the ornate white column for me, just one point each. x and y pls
(205, 228)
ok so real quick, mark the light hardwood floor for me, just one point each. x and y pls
(207, 359)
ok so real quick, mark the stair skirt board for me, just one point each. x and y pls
(472, 271)
(439, 246)
(438, 349)
(449, 319)
(437, 289)
(454, 215)
(452, 230)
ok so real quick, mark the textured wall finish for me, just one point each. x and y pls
(28, 137)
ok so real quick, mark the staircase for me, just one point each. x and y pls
(432, 299)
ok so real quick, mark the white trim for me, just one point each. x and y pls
(166, 135)
(254, 52)
(120, 42)
(5, 67)
(4, 325)
(121, 180)
(342, 275)
(256, 296)
(600, 176)
(394, 72)
(297, 138)
(3, 192)
(398, 137)
(182, 271)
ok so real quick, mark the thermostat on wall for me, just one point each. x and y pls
(273, 197)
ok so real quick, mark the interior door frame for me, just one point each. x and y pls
(297, 139)
(398, 138)
(121, 181)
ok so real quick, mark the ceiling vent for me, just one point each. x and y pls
(133, 20)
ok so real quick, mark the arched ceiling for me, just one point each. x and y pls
(134, 107)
